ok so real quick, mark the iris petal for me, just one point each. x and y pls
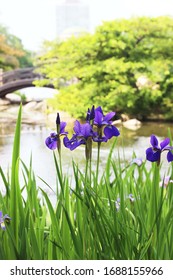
(109, 116)
(73, 143)
(2, 219)
(99, 109)
(98, 118)
(62, 127)
(137, 161)
(76, 144)
(164, 143)
(152, 155)
(86, 130)
(77, 127)
(51, 143)
(66, 142)
(169, 156)
(2, 225)
(111, 131)
(154, 142)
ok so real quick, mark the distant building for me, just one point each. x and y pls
(72, 18)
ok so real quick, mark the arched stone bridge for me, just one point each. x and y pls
(17, 79)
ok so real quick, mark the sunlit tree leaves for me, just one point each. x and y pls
(126, 66)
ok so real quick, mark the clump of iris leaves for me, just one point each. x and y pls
(124, 213)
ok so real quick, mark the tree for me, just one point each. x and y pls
(12, 53)
(125, 66)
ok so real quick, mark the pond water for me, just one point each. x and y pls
(33, 142)
(33, 138)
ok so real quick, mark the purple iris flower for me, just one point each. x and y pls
(154, 153)
(100, 120)
(3, 219)
(137, 161)
(82, 133)
(90, 114)
(131, 197)
(165, 181)
(117, 204)
(53, 140)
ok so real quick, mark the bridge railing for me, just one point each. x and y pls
(18, 79)
(18, 74)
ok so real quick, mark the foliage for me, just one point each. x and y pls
(12, 53)
(126, 64)
(22, 96)
(125, 214)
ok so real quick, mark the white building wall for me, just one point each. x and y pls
(72, 16)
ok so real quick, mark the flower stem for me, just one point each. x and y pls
(59, 154)
(98, 162)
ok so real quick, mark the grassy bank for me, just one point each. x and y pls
(123, 213)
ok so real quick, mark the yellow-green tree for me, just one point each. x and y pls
(126, 66)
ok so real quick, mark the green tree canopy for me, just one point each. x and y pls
(126, 66)
(12, 53)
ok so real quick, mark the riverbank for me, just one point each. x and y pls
(33, 113)
(39, 113)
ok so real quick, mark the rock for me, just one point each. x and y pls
(28, 116)
(4, 102)
(116, 122)
(35, 106)
(34, 113)
(12, 110)
(41, 106)
(30, 106)
(12, 97)
(132, 124)
(36, 118)
(124, 117)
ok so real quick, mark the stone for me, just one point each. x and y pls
(30, 106)
(12, 97)
(132, 124)
(41, 106)
(124, 117)
(116, 122)
(4, 102)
